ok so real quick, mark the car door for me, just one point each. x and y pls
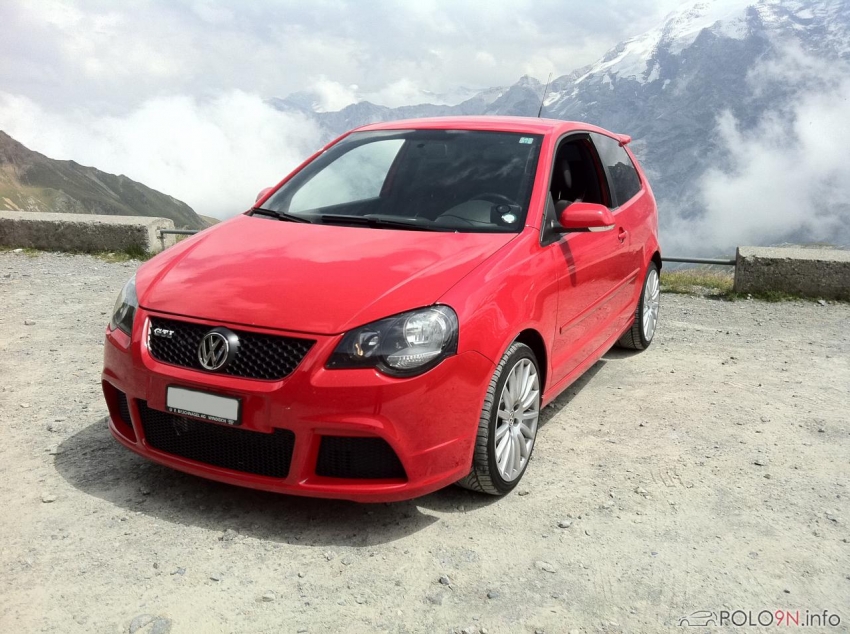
(594, 270)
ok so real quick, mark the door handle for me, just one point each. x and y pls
(622, 235)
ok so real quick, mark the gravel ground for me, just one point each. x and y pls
(707, 473)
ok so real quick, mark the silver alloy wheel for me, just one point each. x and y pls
(516, 421)
(651, 301)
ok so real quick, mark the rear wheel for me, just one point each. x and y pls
(507, 428)
(640, 335)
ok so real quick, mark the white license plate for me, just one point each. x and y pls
(203, 405)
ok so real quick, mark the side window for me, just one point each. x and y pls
(357, 175)
(624, 177)
(576, 174)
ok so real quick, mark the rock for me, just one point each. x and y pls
(469, 630)
(765, 419)
(144, 491)
(360, 600)
(523, 492)
(330, 555)
(48, 498)
(29, 322)
(832, 518)
(822, 302)
(444, 580)
(760, 463)
(301, 575)
(564, 524)
(53, 427)
(25, 405)
(435, 599)
(17, 250)
(228, 536)
(346, 561)
(159, 624)
(493, 594)
(54, 451)
(641, 491)
(60, 419)
(268, 597)
(545, 566)
(215, 577)
(178, 571)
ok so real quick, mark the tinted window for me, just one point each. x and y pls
(442, 180)
(624, 177)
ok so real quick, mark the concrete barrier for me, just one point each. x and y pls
(82, 232)
(808, 272)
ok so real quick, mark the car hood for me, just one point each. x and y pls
(320, 279)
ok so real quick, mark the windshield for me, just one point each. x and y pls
(441, 180)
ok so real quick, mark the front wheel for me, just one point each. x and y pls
(640, 335)
(507, 428)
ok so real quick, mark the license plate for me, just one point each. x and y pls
(203, 405)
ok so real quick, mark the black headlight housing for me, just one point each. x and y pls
(403, 345)
(125, 308)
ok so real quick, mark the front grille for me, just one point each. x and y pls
(124, 408)
(260, 356)
(217, 445)
(358, 458)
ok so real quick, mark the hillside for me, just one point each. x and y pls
(670, 87)
(30, 181)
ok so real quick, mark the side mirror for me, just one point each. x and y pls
(262, 193)
(584, 217)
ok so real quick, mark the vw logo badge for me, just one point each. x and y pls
(217, 349)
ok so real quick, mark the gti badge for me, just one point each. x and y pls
(163, 332)
(217, 349)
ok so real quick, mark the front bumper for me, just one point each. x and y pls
(429, 421)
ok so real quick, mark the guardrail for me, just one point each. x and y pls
(729, 262)
(178, 232)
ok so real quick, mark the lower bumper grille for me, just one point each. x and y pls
(124, 408)
(226, 447)
(358, 458)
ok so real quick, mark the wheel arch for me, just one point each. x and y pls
(656, 257)
(534, 340)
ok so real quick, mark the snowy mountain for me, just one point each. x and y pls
(713, 74)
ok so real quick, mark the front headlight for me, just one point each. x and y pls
(403, 345)
(125, 308)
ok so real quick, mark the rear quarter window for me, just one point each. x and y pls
(624, 177)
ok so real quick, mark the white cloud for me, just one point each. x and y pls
(214, 155)
(788, 176)
(112, 56)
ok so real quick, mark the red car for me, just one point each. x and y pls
(392, 317)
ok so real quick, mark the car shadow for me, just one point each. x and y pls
(96, 464)
(564, 398)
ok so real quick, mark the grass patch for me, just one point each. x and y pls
(698, 281)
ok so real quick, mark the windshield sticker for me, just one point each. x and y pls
(526, 139)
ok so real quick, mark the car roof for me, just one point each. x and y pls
(529, 125)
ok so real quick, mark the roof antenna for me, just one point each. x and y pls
(543, 99)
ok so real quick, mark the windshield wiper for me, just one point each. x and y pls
(374, 220)
(280, 215)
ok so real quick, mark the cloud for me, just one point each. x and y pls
(214, 154)
(785, 178)
(113, 56)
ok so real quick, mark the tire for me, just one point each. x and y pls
(640, 335)
(487, 476)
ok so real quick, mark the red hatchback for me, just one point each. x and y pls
(391, 317)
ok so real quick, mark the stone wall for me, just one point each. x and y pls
(808, 272)
(82, 232)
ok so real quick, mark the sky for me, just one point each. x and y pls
(172, 93)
